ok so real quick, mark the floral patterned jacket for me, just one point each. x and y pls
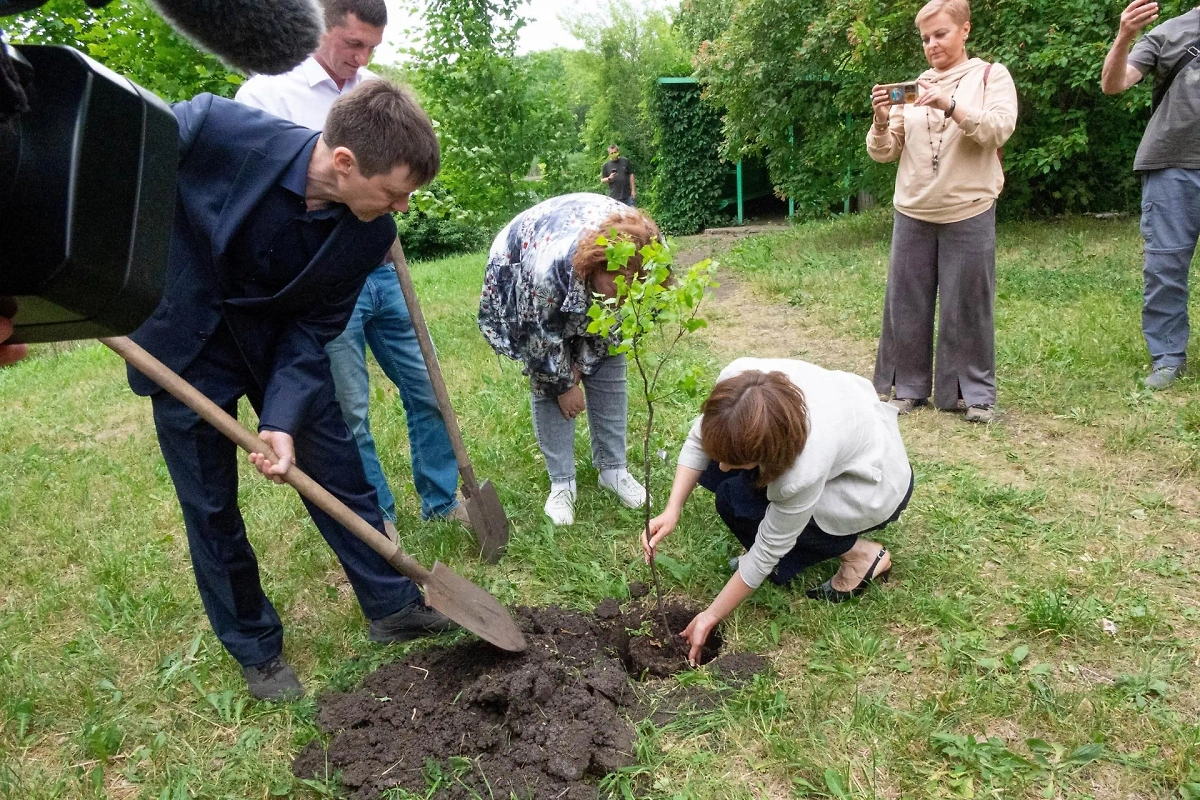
(533, 309)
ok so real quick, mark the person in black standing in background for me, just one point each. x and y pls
(617, 173)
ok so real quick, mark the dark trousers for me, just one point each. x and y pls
(742, 504)
(950, 267)
(203, 466)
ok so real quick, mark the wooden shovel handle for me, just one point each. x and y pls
(214, 415)
(434, 368)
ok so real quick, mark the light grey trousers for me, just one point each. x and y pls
(1170, 227)
(956, 261)
(607, 409)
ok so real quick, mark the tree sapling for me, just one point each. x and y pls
(649, 316)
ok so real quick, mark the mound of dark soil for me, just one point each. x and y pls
(477, 721)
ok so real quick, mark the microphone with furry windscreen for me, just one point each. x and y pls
(256, 36)
(253, 36)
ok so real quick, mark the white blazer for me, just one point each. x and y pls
(851, 475)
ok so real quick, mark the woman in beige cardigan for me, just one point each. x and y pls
(944, 236)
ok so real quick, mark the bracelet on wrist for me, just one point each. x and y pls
(950, 110)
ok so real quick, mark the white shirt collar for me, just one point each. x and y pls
(314, 73)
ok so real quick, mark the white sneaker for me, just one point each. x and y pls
(560, 506)
(631, 493)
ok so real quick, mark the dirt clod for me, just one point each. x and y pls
(479, 722)
(638, 590)
(738, 667)
(608, 609)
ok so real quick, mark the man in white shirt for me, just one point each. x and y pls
(353, 29)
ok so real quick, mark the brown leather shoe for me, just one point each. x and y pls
(905, 405)
(981, 414)
(459, 515)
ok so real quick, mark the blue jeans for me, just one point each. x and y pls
(607, 406)
(1170, 227)
(381, 320)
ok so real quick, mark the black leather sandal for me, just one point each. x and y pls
(826, 591)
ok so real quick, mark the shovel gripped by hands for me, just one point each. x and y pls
(446, 591)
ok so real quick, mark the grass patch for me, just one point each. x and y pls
(984, 667)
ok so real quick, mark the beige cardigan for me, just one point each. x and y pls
(970, 175)
(851, 475)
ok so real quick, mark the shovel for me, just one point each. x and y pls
(483, 504)
(445, 590)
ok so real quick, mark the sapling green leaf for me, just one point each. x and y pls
(651, 314)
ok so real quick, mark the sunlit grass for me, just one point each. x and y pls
(1021, 542)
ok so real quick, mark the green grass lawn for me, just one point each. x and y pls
(983, 668)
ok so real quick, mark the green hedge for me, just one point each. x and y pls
(689, 173)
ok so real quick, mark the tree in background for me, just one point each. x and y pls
(626, 51)
(794, 78)
(130, 38)
(499, 116)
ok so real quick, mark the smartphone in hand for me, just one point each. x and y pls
(900, 93)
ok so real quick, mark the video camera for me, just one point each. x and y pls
(87, 196)
(88, 163)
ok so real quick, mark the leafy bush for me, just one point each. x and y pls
(436, 226)
(804, 69)
(627, 49)
(497, 114)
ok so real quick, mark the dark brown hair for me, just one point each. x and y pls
(382, 124)
(372, 12)
(755, 418)
(636, 225)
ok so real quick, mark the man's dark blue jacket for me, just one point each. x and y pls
(230, 156)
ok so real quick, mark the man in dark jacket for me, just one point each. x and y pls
(276, 229)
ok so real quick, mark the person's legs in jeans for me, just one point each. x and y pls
(1170, 226)
(607, 412)
(393, 340)
(555, 437)
(348, 362)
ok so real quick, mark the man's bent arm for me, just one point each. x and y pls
(1118, 74)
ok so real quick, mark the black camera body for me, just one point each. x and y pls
(87, 199)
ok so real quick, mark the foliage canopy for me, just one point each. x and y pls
(130, 38)
(498, 116)
(779, 67)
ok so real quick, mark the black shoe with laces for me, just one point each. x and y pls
(411, 622)
(274, 680)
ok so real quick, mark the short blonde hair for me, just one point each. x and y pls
(959, 11)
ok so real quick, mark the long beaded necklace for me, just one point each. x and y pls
(937, 152)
